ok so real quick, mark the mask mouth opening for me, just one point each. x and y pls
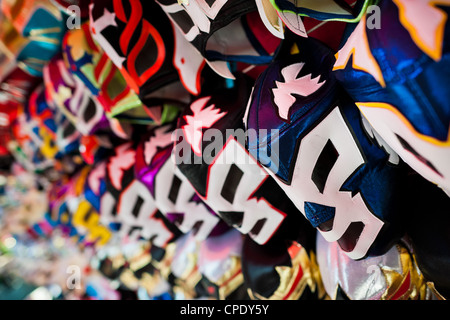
(347, 242)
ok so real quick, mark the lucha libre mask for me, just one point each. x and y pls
(72, 98)
(400, 85)
(128, 202)
(143, 52)
(32, 31)
(50, 128)
(320, 150)
(217, 164)
(174, 196)
(87, 61)
(158, 61)
(138, 38)
(210, 150)
(31, 142)
(85, 215)
(206, 25)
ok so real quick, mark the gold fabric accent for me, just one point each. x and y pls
(164, 265)
(231, 279)
(432, 290)
(293, 280)
(410, 281)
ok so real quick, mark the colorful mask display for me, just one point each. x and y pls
(72, 97)
(226, 149)
(88, 61)
(143, 53)
(313, 139)
(144, 50)
(222, 171)
(172, 193)
(399, 86)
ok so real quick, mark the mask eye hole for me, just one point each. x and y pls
(137, 207)
(69, 130)
(324, 164)
(174, 189)
(90, 111)
(231, 183)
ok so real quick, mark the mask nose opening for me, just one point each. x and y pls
(327, 225)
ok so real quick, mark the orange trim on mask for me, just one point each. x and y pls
(399, 115)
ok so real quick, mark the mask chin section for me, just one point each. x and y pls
(351, 236)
